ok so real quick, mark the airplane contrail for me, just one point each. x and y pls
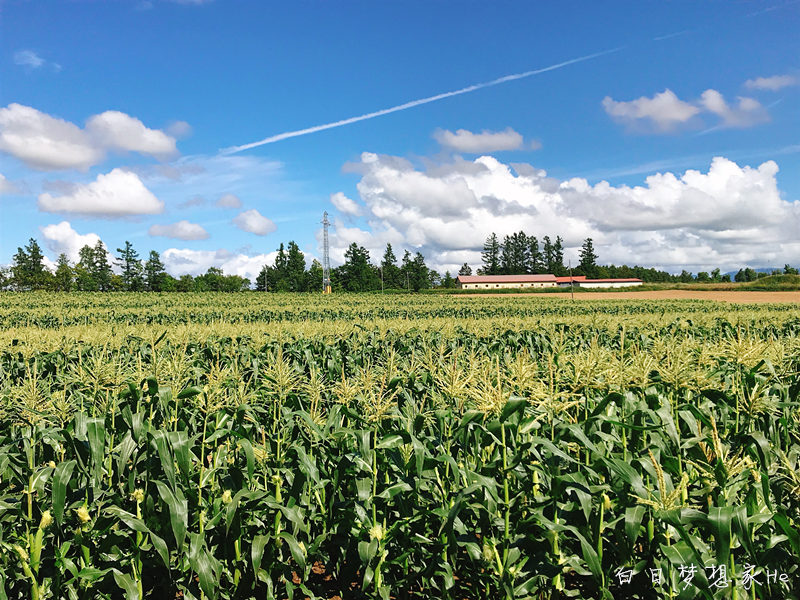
(413, 103)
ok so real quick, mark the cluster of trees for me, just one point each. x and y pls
(357, 274)
(93, 273)
(518, 254)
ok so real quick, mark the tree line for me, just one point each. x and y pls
(356, 274)
(93, 273)
(521, 254)
(518, 254)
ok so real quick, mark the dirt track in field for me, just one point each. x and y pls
(719, 296)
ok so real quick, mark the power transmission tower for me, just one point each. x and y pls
(326, 256)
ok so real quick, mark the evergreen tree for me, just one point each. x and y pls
(535, 258)
(519, 253)
(280, 280)
(491, 256)
(131, 266)
(548, 255)
(418, 273)
(101, 268)
(154, 273)
(558, 258)
(64, 277)
(262, 280)
(588, 259)
(448, 282)
(295, 269)
(356, 272)
(84, 270)
(507, 256)
(465, 270)
(314, 277)
(390, 270)
(28, 269)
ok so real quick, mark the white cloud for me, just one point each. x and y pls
(48, 143)
(181, 261)
(63, 238)
(345, 205)
(6, 187)
(182, 230)
(115, 194)
(746, 113)
(773, 84)
(664, 111)
(44, 142)
(466, 141)
(28, 58)
(253, 221)
(229, 201)
(696, 220)
(115, 130)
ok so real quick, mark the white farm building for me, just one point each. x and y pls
(488, 282)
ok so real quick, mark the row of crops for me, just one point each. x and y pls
(534, 449)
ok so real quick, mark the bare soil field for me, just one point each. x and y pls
(720, 296)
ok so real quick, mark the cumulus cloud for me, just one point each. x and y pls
(115, 194)
(62, 238)
(6, 187)
(697, 220)
(775, 83)
(746, 113)
(182, 261)
(182, 230)
(115, 130)
(229, 201)
(665, 112)
(48, 143)
(253, 221)
(345, 205)
(466, 141)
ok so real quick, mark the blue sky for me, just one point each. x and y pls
(678, 148)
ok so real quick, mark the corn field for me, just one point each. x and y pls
(208, 446)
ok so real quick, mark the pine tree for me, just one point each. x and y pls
(28, 270)
(535, 258)
(558, 258)
(390, 270)
(295, 269)
(154, 273)
(491, 256)
(588, 259)
(132, 271)
(314, 277)
(64, 277)
(549, 257)
(101, 268)
(465, 270)
(263, 278)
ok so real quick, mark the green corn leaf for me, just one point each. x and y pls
(178, 512)
(61, 478)
(126, 584)
(257, 551)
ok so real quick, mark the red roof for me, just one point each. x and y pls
(629, 280)
(567, 279)
(505, 278)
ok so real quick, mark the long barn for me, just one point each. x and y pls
(488, 282)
